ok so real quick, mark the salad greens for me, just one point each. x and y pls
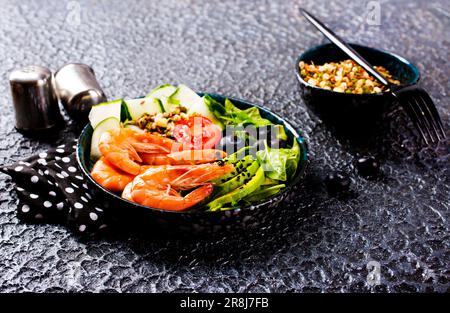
(229, 114)
(279, 164)
(255, 180)
(275, 166)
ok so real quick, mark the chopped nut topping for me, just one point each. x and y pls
(345, 76)
(162, 123)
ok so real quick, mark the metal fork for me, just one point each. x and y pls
(414, 100)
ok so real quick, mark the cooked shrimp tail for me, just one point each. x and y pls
(110, 177)
(126, 194)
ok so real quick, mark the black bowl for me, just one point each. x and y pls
(355, 107)
(198, 222)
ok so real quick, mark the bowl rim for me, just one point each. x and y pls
(300, 173)
(355, 45)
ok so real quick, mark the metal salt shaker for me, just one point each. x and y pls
(35, 103)
(78, 89)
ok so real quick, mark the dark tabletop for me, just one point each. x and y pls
(244, 49)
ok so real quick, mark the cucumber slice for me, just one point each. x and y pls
(105, 110)
(162, 93)
(105, 125)
(137, 107)
(184, 96)
(188, 98)
(124, 114)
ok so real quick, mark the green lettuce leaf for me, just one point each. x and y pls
(229, 114)
(279, 164)
(255, 116)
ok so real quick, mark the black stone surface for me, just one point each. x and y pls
(245, 49)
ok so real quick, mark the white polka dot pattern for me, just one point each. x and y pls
(51, 188)
(42, 161)
(69, 190)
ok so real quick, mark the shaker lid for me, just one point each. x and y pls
(30, 75)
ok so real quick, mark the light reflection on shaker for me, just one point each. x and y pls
(78, 89)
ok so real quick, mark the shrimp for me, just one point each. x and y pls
(159, 186)
(111, 178)
(126, 194)
(121, 146)
(184, 157)
(184, 177)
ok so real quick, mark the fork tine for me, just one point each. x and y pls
(408, 106)
(429, 104)
(429, 118)
(421, 115)
(425, 115)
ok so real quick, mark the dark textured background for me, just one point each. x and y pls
(244, 49)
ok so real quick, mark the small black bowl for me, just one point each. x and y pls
(356, 107)
(199, 222)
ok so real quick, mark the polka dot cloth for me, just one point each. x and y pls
(52, 189)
